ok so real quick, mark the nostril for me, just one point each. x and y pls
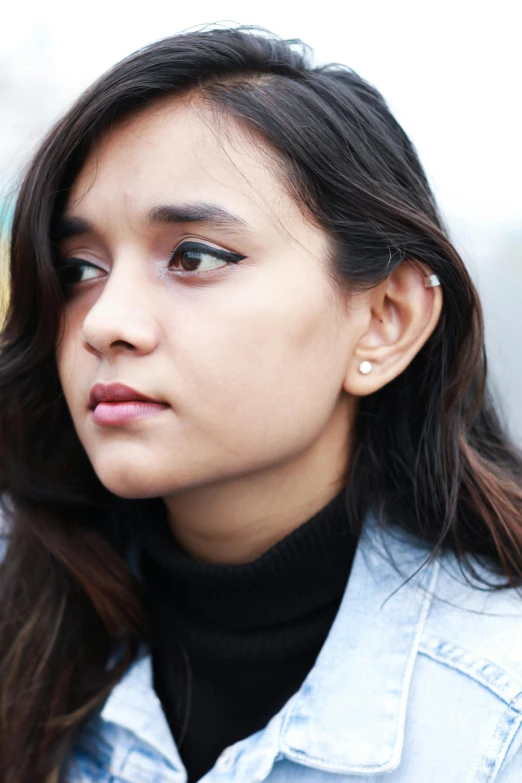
(123, 344)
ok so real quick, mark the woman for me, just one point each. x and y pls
(262, 520)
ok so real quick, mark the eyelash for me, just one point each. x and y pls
(205, 250)
(73, 264)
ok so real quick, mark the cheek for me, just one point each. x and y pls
(63, 356)
(268, 365)
(70, 359)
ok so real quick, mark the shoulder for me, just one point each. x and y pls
(467, 689)
(465, 610)
(463, 716)
(467, 615)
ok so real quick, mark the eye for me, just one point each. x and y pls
(198, 258)
(76, 270)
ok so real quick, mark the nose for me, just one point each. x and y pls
(122, 318)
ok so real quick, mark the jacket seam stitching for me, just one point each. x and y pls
(451, 663)
(495, 752)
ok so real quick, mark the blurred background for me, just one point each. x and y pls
(450, 71)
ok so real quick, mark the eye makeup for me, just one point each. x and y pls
(189, 255)
(191, 252)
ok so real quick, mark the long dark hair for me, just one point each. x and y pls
(429, 450)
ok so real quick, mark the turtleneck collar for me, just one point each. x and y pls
(277, 602)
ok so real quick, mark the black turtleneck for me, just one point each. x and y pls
(231, 643)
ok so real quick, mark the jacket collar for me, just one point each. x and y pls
(133, 705)
(349, 714)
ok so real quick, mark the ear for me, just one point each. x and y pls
(400, 315)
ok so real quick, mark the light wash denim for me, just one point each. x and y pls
(417, 682)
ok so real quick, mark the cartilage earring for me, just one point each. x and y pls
(365, 367)
(431, 281)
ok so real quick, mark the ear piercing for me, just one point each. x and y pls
(430, 282)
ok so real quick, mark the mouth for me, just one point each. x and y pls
(116, 404)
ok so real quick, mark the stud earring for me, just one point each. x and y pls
(365, 367)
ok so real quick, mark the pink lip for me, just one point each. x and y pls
(115, 404)
(115, 392)
(112, 414)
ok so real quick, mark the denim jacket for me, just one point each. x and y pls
(418, 681)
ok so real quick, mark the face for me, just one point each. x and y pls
(195, 280)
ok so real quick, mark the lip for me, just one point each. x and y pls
(115, 404)
(114, 414)
(116, 392)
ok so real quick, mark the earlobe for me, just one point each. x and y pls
(403, 313)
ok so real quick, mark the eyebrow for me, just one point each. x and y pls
(71, 227)
(200, 212)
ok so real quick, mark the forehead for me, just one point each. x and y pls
(182, 151)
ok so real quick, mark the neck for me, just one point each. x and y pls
(235, 522)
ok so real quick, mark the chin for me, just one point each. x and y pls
(130, 491)
(130, 486)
